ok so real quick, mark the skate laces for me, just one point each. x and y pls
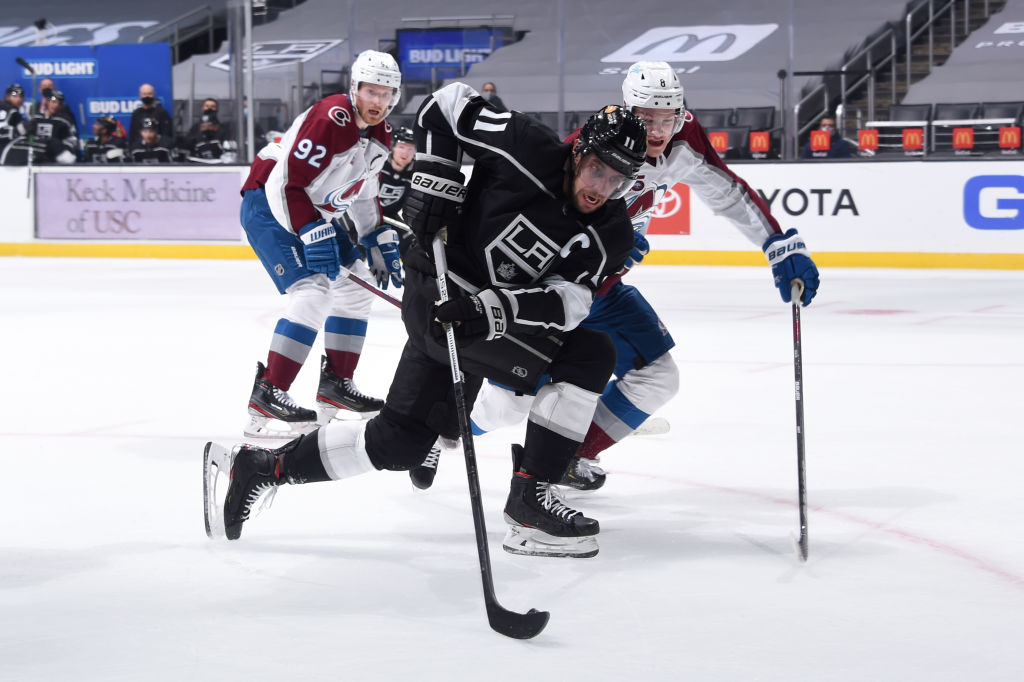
(350, 386)
(432, 457)
(588, 469)
(283, 397)
(552, 502)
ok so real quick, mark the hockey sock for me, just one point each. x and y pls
(289, 349)
(343, 342)
(546, 454)
(596, 442)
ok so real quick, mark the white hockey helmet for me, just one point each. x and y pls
(654, 85)
(378, 68)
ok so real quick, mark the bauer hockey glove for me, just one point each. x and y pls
(434, 200)
(791, 260)
(640, 249)
(382, 253)
(475, 318)
(321, 248)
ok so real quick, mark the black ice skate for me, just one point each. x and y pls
(253, 473)
(336, 393)
(270, 402)
(583, 474)
(423, 475)
(541, 524)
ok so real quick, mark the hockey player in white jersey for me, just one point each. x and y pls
(678, 150)
(325, 166)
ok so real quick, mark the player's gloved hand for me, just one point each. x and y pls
(434, 199)
(382, 253)
(476, 318)
(640, 249)
(791, 260)
(414, 257)
(321, 248)
(348, 253)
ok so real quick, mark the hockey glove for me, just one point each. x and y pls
(321, 248)
(640, 249)
(434, 200)
(791, 260)
(475, 318)
(382, 253)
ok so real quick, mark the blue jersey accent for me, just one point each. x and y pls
(295, 331)
(620, 406)
(625, 315)
(345, 325)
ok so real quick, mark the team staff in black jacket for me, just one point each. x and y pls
(529, 240)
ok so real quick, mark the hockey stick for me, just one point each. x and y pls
(796, 293)
(369, 287)
(503, 621)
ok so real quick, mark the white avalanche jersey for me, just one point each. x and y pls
(324, 167)
(689, 158)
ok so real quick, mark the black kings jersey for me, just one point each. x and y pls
(393, 185)
(519, 232)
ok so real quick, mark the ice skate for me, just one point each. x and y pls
(423, 475)
(583, 474)
(541, 524)
(273, 413)
(253, 473)
(336, 393)
(216, 478)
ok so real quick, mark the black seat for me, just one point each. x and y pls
(1012, 110)
(946, 112)
(755, 118)
(713, 118)
(910, 112)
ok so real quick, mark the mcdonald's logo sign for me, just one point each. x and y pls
(720, 141)
(963, 138)
(913, 139)
(821, 140)
(867, 139)
(760, 141)
(1009, 137)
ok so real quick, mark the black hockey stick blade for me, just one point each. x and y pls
(25, 65)
(516, 625)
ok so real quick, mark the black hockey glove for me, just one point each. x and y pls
(434, 200)
(476, 318)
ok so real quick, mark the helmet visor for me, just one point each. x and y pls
(601, 179)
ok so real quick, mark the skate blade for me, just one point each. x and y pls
(261, 426)
(328, 412)
(533, 542)
(216, 473)
(654, 426)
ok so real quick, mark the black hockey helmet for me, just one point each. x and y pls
(108, 122)
(617, 136)
(14, 89)
(150, 123)
(402, 134)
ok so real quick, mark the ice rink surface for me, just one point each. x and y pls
(116, 372)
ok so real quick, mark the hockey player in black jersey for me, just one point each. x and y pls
(12, 123)
(396, 174)
(529, 240)
(104, 147)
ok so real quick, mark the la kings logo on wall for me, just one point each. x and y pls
(692, 43)
(271, 54)
(520, 246)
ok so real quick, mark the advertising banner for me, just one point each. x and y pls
(192, 206)
(96, 81)
(422, 50)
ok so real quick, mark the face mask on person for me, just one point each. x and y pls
(148, 101)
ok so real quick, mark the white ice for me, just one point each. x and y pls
(115, 373)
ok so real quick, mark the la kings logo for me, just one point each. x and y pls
(524, 245)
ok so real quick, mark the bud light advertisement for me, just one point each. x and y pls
(420, 51)
(95, 81)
